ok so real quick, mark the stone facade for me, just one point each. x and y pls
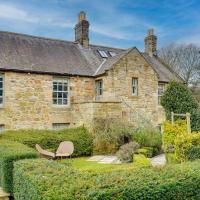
(28, 97)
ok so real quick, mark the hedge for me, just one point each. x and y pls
(10, 152)
(50, 139)
(49, 180)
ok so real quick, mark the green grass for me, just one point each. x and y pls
(82, 164)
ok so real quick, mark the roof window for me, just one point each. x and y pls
(103, 54)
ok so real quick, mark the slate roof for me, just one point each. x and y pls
(19, 52)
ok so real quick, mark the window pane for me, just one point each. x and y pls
(135, 86)
(60, 87)
(1, 100)
(54, 101)
(65, 101)
(55, 87)
(1, 85)
(59, 94)
(65, 87)
(65, 95)
(59, 101)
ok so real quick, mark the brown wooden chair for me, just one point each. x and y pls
(45, 153)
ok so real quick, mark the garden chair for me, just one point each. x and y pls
(65, 149)
(45, 153)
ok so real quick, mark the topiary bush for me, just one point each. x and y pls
(45, 180)
(50, 139)
(126, 152)
(179, 99)
(148, 137)
(10, 152)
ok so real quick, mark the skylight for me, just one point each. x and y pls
(103, 54)
(112, 53)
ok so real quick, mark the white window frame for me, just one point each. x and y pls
(63, 93)
(134, 86)
(99, 88)
(3, 90)
(160, 92)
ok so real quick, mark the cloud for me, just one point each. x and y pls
(13, 13)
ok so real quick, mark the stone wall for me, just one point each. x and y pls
(28, 97)
(28, 101)
(117, 85)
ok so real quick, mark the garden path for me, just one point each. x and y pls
(105, 159)
(158, 161)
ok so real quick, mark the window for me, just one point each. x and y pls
(112, 53)
(2, 127)
(60, 92)
(60, 126)
(99, 88)
(103, 54)
(135, 86)
(161, 90)
(1, 89)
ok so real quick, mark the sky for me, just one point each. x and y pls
(118, 23)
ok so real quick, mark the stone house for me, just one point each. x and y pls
(51, 84)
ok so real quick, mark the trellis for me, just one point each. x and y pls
(187, 115)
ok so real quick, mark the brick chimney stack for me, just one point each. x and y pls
(82, 30)
(151, 43)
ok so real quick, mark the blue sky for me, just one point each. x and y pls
(120, 23)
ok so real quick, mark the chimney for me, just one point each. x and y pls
(82, 30)
(151, 43)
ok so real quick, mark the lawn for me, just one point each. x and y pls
(83, 165)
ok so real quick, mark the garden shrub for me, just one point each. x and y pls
(146, 151)
(171, 132)
(126, 152)
(45, 180)
(109, 134)
(194, 153)
(10, 152)
(171, 158)
(50, 139)
(179, 99)
(185, 144)
(148, 137)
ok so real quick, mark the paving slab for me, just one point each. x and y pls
(105, 159)
(96, 158)
(158, 161)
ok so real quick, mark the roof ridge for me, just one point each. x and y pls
(103, 46)
(38, 37)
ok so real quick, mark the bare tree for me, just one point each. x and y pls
(184, 59)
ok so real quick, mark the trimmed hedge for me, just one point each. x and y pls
(10, 152)
(48, 180)
(50, 139)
